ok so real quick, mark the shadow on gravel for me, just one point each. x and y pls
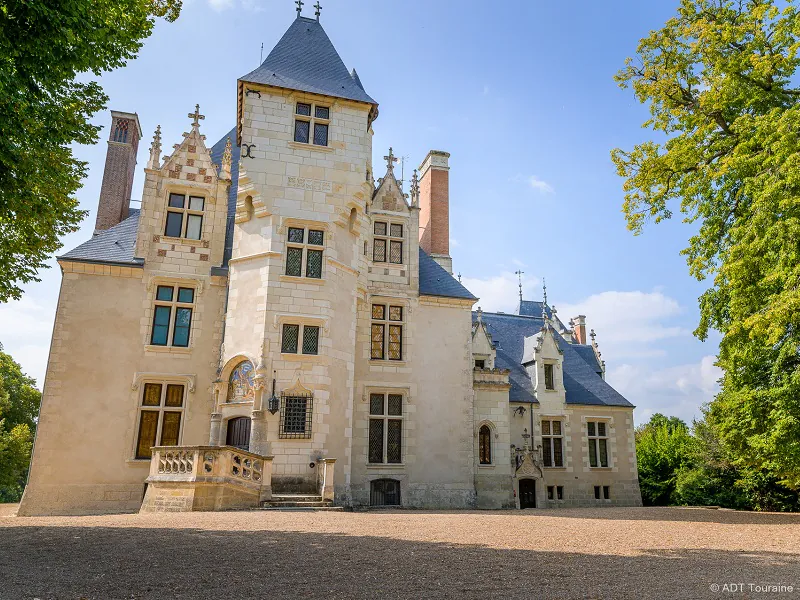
(97, 563)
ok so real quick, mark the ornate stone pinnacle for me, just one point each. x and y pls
(155, 150)
(480, 315)
(196, 117)
(225, 168)
(390, 160)
(593, 335)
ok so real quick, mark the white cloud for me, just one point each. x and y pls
(500, 293)
(536, 184)
(25, 330)
(220, 5)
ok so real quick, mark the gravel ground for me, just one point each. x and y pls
(581, 553)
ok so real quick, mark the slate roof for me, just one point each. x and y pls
(305, 59)
(113, 246)
(582, 382)
(533, 308)
(434, 280)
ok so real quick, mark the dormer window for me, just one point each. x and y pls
(549, 378)
(388, 243)
(311, 129)
(185, 218)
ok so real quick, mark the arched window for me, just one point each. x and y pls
(485, 445)
(121, 131)
(241, 386)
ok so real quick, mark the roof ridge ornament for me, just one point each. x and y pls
(196, 117)
(155, 150)
(318, 6)
(300, 4)
(390, 160)
(544, 301)
(519, 274)
(415, 189)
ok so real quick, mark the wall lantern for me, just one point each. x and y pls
(273, 404)
(520, 410)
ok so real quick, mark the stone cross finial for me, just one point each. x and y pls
(155, 150)
(225, 168)
(593, 335)
(319, 9)
(390, 160)
(196, 117)
(299, 7)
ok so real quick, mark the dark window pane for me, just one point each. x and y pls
(378, 312)
(545, 427)
(177, 200)
(601, 429)
(377, 341)
(547, 451)
(148, 425)
(394, 441)
(384, 492)
(480, 364)
(396, 252)
(560, 491)
(294, 262)
(164, 293)
(396, 230)
(170, 428)
(380, 228)
(592, 453)
(395, 313)
(296, 235)
(183, 321)
(315, 237)
(174, 395)
(590, 425)
(556, 427)
(174, 224)
(314, 264)
(376, 440)
(379, 251)
(161, 316)
(197, 203)
(186, 295)
(291, 333)
(485, 445)
(550, 492)
(322, 112)
(597, 492)
(301, 129)
(606, 492)
(376, 404)
(395, 405)
(395, 342)
(603, 452)
(320, 134)
(558, 454)
(548, 377)
(194, 227)
(152, 394)
(310, 339)
(303, 109)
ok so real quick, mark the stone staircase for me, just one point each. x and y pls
(298, 502)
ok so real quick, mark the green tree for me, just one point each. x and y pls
(662, 449)
(19, 409)
(720, 79)
(45, 47)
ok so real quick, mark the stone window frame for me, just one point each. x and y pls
(174, 305)
(301, 339)
(595, 440)
(313, 120)
(302, 320)
(385, 417)
(304, 247)
(555, 493)
(492, 435)
(388, 239)
(164, 382)
(552, 437)
(185, 211)
(602, 492)
(386, 323)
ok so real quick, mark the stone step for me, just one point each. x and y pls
(296, 498)
(303, 508)
(285, 503)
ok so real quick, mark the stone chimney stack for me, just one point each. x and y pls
(580, 328)
(434, 203)
(115, 195)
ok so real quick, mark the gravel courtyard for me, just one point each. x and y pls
(587, 553)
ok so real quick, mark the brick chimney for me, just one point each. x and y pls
(580, 328)
(115, 195)
(434, 205)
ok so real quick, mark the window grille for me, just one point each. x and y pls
(291, 334)
(384, 321)
(384, 492)
(310, 339)
(388, 238)
(296, 412)
(552, 444)
(298, 247)
(385, 444)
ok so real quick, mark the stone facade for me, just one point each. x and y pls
(325, 342)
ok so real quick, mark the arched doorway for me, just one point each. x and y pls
(527, 493)
(238, 433)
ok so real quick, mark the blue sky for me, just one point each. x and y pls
(522, 95)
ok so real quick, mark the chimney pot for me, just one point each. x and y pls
(580, 328)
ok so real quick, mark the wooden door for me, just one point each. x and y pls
(238, 433)
(527, 493)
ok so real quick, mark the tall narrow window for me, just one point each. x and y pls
(485, 445)
(598, 443)
(305, 123)
(185, 217)
(160, 416)
(385, 428)
(387, 245)
(304, 250)
(549, 379)
(173, 306)
(386, 332)
(552, 444)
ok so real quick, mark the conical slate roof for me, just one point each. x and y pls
(306, 60)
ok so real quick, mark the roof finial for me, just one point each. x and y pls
(227, 159)
(155, 150)
(593, 335)
(480, 315)
(390, 160)
(415, 189)
(196, 117)
(544, 301)
(299, 6)
(519, 274)
(318, 6)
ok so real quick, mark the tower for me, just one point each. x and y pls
(115, 193)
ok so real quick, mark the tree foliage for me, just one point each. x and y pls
(721, 82)
(662, 449)
(19, 409)
(45, 48)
